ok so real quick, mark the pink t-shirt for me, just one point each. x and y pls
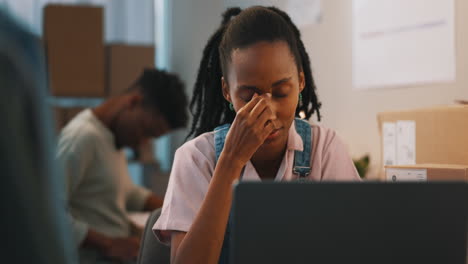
(194, 165)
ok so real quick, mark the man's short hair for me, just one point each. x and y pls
(165, 92)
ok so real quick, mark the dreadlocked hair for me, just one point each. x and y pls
(240, 29)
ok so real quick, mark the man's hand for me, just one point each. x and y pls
(152, 203)
(122, 248)
(118, 248)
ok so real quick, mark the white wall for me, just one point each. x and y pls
(124, 20)
(193, 22)
(353, 113)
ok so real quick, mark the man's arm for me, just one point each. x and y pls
(153, 202)
(76, 155)
(122, 248)
(140, 199)
(70, 155)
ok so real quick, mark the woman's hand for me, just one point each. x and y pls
(253, 123)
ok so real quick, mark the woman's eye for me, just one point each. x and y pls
(282, 91)
(246, 95)
(280, 95)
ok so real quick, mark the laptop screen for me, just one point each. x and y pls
(340, 223)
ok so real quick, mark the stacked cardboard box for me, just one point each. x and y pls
(426, 172)
(79, 63)
(437, 135)
(63, 115)
(73, 38)
(125, 63)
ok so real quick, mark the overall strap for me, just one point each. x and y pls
(302, 158)
(301, 167)
(220, 134)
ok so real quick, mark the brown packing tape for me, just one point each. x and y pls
(440, 174)
(464, 102)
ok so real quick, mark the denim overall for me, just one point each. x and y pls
(301, 167)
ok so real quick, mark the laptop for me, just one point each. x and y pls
(347, 223)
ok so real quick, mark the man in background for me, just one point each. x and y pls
(100, 191)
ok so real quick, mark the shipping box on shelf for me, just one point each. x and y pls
(74, 46)
(437, 135)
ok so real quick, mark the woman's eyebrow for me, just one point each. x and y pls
(248, 87)
(281, 81)
(256, 89)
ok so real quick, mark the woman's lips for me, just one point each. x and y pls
(274, 134)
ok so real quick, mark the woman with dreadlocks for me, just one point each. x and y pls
(253, 80)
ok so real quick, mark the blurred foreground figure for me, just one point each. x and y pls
(34, 222)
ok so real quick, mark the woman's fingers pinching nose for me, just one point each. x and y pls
(276, 123)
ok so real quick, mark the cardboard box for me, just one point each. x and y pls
(72, 112)
(63, 115)
(437, 135)
(73, 37)
(59, 116)
(426, 172)
(125, 63)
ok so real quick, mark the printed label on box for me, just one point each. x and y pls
(406, 142)
(389, 143)
(397, 175)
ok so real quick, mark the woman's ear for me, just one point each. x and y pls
(225, 88)
(301, 81)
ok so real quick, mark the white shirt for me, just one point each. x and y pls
(99, 188)
(194, 165)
